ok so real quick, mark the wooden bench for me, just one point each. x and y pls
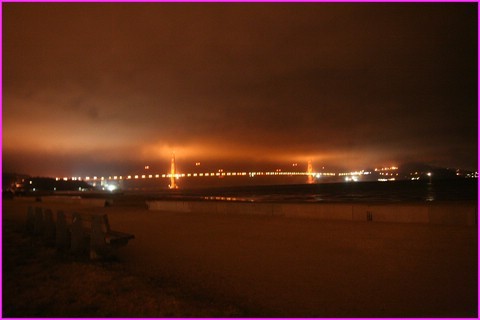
(95, 230)
(86, 232)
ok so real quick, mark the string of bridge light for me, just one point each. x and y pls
(194, 175)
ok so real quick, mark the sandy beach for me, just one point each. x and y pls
(269, 266)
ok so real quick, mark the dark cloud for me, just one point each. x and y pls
(352, 84)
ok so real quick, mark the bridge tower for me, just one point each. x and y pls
(172, 184)
(310, 172)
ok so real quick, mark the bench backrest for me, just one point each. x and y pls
(90, 219)
(41, 221)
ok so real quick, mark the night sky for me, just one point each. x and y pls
(108, 88)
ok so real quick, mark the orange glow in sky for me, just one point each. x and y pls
(101, 88)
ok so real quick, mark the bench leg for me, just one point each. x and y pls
(77, 243)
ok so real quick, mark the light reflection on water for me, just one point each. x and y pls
(430, 193)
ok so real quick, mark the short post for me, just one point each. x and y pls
(369, 216)
(61, 235)
(30, 220)
(38, 221)
(77, 243)
(48, 227)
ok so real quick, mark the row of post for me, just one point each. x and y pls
(65, 237)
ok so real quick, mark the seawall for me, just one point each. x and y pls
(442, 213)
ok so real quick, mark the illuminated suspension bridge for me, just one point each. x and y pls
(174, 176)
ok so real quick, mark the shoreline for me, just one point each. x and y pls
(358, 192)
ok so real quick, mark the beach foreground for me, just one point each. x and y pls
(273, 266)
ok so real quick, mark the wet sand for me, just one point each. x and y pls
(271, 266)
